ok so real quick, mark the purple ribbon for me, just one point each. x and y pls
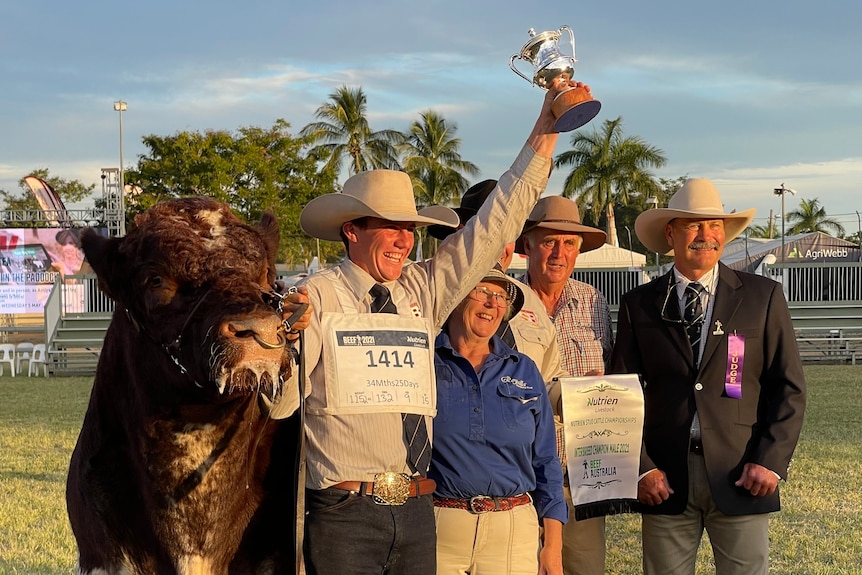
(735, 358)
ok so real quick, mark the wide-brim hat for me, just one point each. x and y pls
(471, 201)
(697, 198)
(561, 214)
(384, 194)
(496, 275)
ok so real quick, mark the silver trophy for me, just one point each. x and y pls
(573, 107)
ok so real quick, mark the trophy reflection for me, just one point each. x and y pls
(573, 107)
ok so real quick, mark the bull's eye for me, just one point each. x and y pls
(154, 281)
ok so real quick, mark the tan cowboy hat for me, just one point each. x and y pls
(697, 198)
(561, 214)
(384, 194)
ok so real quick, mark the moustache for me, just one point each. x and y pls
(703, 246)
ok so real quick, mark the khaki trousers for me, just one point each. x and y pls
(495, 543)
(740, 543)
(583, 544)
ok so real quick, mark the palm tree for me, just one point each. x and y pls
(343, 132)
(610, 168)
(812, 217)
(758, 231)
(431, 157)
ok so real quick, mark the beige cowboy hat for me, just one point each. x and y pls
(384, 194)
(561, 214)
(697, 198)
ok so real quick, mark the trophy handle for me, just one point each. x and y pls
(572, 38)
(515, 70)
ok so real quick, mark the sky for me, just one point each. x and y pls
(751, 94)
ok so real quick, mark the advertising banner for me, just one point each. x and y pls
(30, 261)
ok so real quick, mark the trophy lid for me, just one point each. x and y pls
(530, 49)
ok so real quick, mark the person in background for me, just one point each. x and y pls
(724, 390)
(552, 239)
(71, 260)
(495, 455)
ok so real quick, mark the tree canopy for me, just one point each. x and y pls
(810, 216)
(609, 168)
(343, 133)
(253, 170)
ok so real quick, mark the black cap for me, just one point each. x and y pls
(471, 201)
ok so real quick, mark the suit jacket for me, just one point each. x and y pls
(762, 427)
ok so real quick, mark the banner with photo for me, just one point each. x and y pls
(30, 261)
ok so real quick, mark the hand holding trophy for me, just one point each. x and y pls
(574, 106)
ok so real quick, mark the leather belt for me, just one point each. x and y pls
(390, 488)
(695, 446)
(484, 503)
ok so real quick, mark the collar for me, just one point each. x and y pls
(707, 280)
(358, 281)
(499, 349)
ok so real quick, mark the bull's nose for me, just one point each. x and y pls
(264, 330)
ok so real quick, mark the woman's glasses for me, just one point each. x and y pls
(482, 294)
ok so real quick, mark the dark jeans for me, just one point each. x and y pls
(350, 534)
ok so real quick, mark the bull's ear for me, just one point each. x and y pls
(268, 227)
(105, 258)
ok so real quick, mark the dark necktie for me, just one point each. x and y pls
(505, 333)
(693, 317)
(415, 429)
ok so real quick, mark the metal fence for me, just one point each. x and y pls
(827, 282)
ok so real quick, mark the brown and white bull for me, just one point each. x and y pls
(172, 472)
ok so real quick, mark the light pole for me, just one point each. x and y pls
(631, 253)
(653, 201)
(782, 191)
(120, 107)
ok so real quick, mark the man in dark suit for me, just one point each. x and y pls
(724, 390)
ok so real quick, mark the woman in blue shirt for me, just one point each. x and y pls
(494, 456)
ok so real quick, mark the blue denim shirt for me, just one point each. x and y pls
(494, 431)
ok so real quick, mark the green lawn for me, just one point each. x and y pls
(817, 533)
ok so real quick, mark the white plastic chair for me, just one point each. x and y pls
(23, 351)
(37, 359)
(7, 355)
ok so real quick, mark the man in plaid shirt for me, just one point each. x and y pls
(553, 237)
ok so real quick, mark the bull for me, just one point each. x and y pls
(178, 469)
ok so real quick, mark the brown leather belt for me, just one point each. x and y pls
(484, 503)
(390, 488)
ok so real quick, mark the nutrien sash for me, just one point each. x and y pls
(735, 358)
(603, 418)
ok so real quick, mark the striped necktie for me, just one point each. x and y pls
(693, 317)
(415, 428)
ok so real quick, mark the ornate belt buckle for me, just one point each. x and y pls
(391, 488)
(476, 504)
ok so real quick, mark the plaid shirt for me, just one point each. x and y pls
(582, 318)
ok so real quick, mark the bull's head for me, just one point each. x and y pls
(193, 279)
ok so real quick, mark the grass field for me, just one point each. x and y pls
(817, 533)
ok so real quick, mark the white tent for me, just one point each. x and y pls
(607, 256)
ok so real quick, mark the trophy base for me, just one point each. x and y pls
(573, 108)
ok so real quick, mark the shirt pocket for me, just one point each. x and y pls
(585, 341)
(519, 406)
(531, 341)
